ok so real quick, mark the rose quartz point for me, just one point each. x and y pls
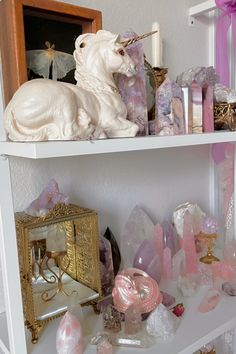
(167, 263)
(69, 337)
(189, 245)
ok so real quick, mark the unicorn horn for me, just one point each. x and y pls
(136, 39)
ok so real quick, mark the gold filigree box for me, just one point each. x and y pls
(59, 262)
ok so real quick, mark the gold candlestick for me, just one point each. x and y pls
(209, 240)
(54, 277)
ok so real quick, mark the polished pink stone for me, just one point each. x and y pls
(167, 264)
(209, 301)
(189, 245)
(104, 347)
(69, 337)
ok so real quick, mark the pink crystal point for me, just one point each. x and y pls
(167, 263)
(189, 245)
(69, 337)
(158, 241)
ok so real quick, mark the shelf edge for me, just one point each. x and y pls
(202, 8)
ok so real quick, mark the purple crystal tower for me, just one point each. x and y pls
(133, 90)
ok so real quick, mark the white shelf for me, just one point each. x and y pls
(202, 8)
(4, 341)
(195, 329)
(40, 150)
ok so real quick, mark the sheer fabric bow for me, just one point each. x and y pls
(224, 21)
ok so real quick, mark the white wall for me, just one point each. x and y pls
(184, 46)
(113, 184)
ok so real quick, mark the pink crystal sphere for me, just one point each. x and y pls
(209, 225)
(229, 252)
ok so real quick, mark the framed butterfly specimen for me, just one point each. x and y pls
(38, 40)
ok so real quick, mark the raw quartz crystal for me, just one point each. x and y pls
(111, 319)
(49, 197)
(69, 338)
(191, 266)
(133, 320)
(137, 228)
(104, 347)
(224, 94)
(133, 90)
(169, 109)
(178, 262)
(205, 274)
(197, 216)
(203, 76)
(161, 323)
(188, 284)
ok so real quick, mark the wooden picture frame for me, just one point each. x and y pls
(13, 35)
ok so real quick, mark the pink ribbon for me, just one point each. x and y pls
(224, 21)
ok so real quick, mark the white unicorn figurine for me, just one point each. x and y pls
(43, 109)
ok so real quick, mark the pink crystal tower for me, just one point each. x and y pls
(189, 245)
(167, 263)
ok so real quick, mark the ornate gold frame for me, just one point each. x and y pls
(82, 240)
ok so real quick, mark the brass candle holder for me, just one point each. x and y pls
(156, 77)
(209, 240)
(54, 278)
(159, 75)
(225, 116)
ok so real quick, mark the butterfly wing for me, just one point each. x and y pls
(62, 64)
(39, 62)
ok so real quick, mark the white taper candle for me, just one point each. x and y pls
(156, 46)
